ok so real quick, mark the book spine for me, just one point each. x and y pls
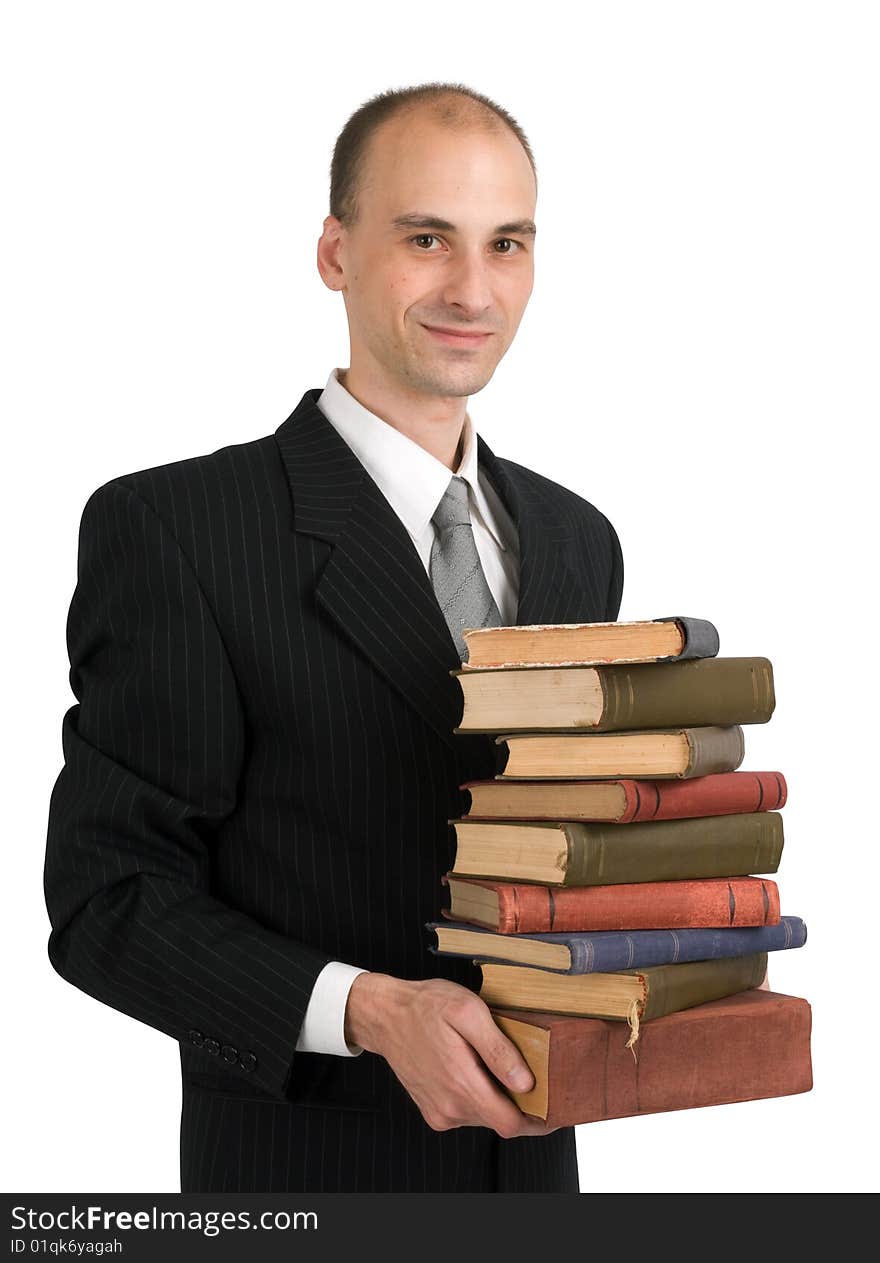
(700, 637)
(520, 907)
(674, 905)
(673, 850)
(675, 987)
(696, 693)
(611, 952)
(641, 800)
(714, 750)
(724, 793)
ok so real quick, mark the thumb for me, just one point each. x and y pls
(500, 1054)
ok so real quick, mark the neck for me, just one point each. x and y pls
(435, 422)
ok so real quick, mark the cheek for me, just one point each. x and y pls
(518, 296)
(393, 293)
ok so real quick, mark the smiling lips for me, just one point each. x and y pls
(453, 338)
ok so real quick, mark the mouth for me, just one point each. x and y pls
(460, 339)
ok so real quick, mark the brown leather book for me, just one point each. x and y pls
(578, 853)
(517, 908)
(700, 692)
(745, 1047)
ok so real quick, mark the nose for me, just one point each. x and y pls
(466, 283)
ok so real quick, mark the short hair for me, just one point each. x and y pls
(453, 104)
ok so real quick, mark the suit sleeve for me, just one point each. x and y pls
(153, 752)
(615, 587)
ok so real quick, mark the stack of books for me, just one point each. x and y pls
(610, 881)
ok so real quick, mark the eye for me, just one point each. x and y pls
(425, 236)
(510, 242)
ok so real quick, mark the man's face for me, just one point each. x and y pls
(461, 260)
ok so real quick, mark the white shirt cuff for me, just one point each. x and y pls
(323, 1028)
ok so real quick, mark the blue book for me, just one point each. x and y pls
(609, 951)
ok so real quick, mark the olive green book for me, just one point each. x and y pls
(631, 995)
(698, 692)
(578, 853)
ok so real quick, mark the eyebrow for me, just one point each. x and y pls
(520, 227)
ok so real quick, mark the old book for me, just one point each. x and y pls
(512, 908)
(631, 995)
(682, 752)
(582, 853)
(582, 952)
(624, 801)
(702, 692)
(565, 644)
(742, 1048)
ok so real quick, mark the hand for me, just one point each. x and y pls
(438, 1038)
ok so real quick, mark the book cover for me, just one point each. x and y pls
(745, 1047)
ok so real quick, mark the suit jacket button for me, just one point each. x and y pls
(247, 1061)
(197, 1038)
(229, 1053)
(211, 1046)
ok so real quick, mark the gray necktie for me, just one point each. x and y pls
(456, 573)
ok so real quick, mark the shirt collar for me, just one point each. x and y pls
(411, 479)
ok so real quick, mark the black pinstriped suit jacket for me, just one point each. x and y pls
(257, 779)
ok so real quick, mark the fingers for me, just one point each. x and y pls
(445, 1048)
(490, 1105)
(460, 1093)
(475, 1022)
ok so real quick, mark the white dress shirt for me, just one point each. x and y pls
(413, 482)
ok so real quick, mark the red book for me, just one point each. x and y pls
(516, 908)
(745, 1047)
(721, 794)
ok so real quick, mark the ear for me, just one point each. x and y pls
(329, 255)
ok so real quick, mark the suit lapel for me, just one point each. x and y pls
(549, 591)
(374, 585)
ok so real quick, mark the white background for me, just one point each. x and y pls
(699, 359)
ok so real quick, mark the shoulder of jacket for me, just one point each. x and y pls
(571, 507)
(207, 478)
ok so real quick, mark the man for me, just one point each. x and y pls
(250, 828)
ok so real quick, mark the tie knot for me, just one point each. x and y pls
(453, 508)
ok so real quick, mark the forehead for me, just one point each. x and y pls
(413, 161)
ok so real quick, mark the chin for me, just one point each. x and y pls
(466, 381)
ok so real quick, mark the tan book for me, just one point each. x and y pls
(702, 692)
(683, 752)
(558, 644)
